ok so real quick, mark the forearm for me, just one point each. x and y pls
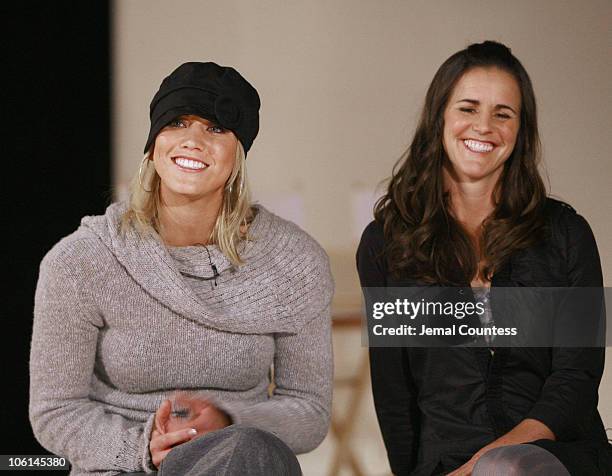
(298, 411)
(300, 423)
(90, 438)
(570, 393)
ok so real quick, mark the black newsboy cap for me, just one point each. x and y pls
(217, 93)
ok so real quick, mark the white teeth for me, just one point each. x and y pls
(477, 146)
(189, 164)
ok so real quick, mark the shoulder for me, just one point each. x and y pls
(370, 258)
(567, 226)
(289, 259)
(78, 254)
(285, 240)
(303, 244)
(373, 236)
(572, 236)
(556, 210)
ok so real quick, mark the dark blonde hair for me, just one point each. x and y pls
(230, 228)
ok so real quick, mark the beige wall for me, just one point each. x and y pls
(341, 83)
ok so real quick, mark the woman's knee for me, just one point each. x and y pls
(519, 460)
(237, 449)
(254, 436)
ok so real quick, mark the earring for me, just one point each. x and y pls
(241, 186)
(230, 189)
(145, 158)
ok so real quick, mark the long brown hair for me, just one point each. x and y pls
(422, 239)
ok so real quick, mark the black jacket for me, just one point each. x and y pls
(437, 406)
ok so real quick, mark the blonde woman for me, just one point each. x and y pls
(157, 324)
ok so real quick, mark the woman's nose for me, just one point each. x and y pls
(194, 137)
(482, 124)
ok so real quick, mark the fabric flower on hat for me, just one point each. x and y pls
(227, 112)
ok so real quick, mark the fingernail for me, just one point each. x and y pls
(193, 431)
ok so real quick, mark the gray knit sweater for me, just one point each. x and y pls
(121, 321)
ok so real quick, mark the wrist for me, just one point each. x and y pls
(537, 430)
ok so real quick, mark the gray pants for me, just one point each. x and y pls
(519, 460)
(235, 450)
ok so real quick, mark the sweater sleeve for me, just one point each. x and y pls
(298, 412)
(568, 400)
(62, 357)
(392, 386)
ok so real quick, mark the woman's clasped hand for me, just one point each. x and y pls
(182, 419)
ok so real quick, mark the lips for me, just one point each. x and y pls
(189, 163)
(478, 146)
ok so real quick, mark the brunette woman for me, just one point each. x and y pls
(466, 207)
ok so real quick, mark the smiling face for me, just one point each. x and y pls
(194, 158)
(481, 124)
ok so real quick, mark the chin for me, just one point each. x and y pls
(184, 190)
(471, 172)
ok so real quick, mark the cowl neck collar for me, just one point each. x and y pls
(198, 260)
(148, 261)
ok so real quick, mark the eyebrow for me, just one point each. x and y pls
(195, 117)
(497, 106)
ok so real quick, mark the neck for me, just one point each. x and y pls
(184, 221)
(471, 202)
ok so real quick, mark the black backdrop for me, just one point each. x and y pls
(55, 164)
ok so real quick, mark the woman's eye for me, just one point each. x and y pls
(467, 109)
(216, 129)
(503, 116)
(177, 123)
